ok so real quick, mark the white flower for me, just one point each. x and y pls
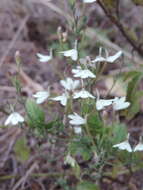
(82, 73)
(138, 147)
(77, 129)
(70, 160)
(109, 59)
(41, 96)
(63, 98)
(99, 59)
(70, 84)
(14, 118)
(76, 119)
(82, 94)
(45, 58)
(120, 103)
(124, 145)
(113, 58)
(101, 103)
(73, 53)
(89, 1)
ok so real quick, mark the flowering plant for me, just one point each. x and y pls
(89, 120)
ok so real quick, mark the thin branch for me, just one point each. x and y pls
(121, 28)
(12, 43)
(24, 178)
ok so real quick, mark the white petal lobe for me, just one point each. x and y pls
(14, 118)
(123, 146)
(76, 119)
(83, 94)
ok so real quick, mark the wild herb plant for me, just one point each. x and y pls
(90, 123)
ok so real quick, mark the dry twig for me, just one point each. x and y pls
(27, 82)
(12, 134)
(14, 40)
(22, 181)
(56, 9)
(121, 28)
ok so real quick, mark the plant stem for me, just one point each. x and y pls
(91, 137)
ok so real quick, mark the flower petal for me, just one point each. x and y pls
(123, 146)
(82, 94)
(138, 147)
(41, 96)
(14, 118)
(113, 58)
(73, 53)
(63, 99)
(76, 119)
(44, 58)
(89, 1)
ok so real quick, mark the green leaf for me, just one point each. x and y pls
(133, 109)
(72, 2)
(35, 115)
(133, 94)
(87, 106)
(119, 133)
(95, 123)
(81, 146)
(130, 75)
(85, 185)
(16, 83)
(133, 84)
(77, 170)
(51, 124)
(135, 105)
(21, 149)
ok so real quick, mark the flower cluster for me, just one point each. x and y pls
(74, 89)
(78, 88)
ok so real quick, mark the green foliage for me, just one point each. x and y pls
(35, 115)
(72, 2)
(16, 83)
(112, 135)
(119, 133)
(133, 95)
(21, 149)
(52, 123)
(77, 170)
(63, 183)
(87, 106)
(36, 118)
(81, 146)
(95, 123)
(85, 185)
